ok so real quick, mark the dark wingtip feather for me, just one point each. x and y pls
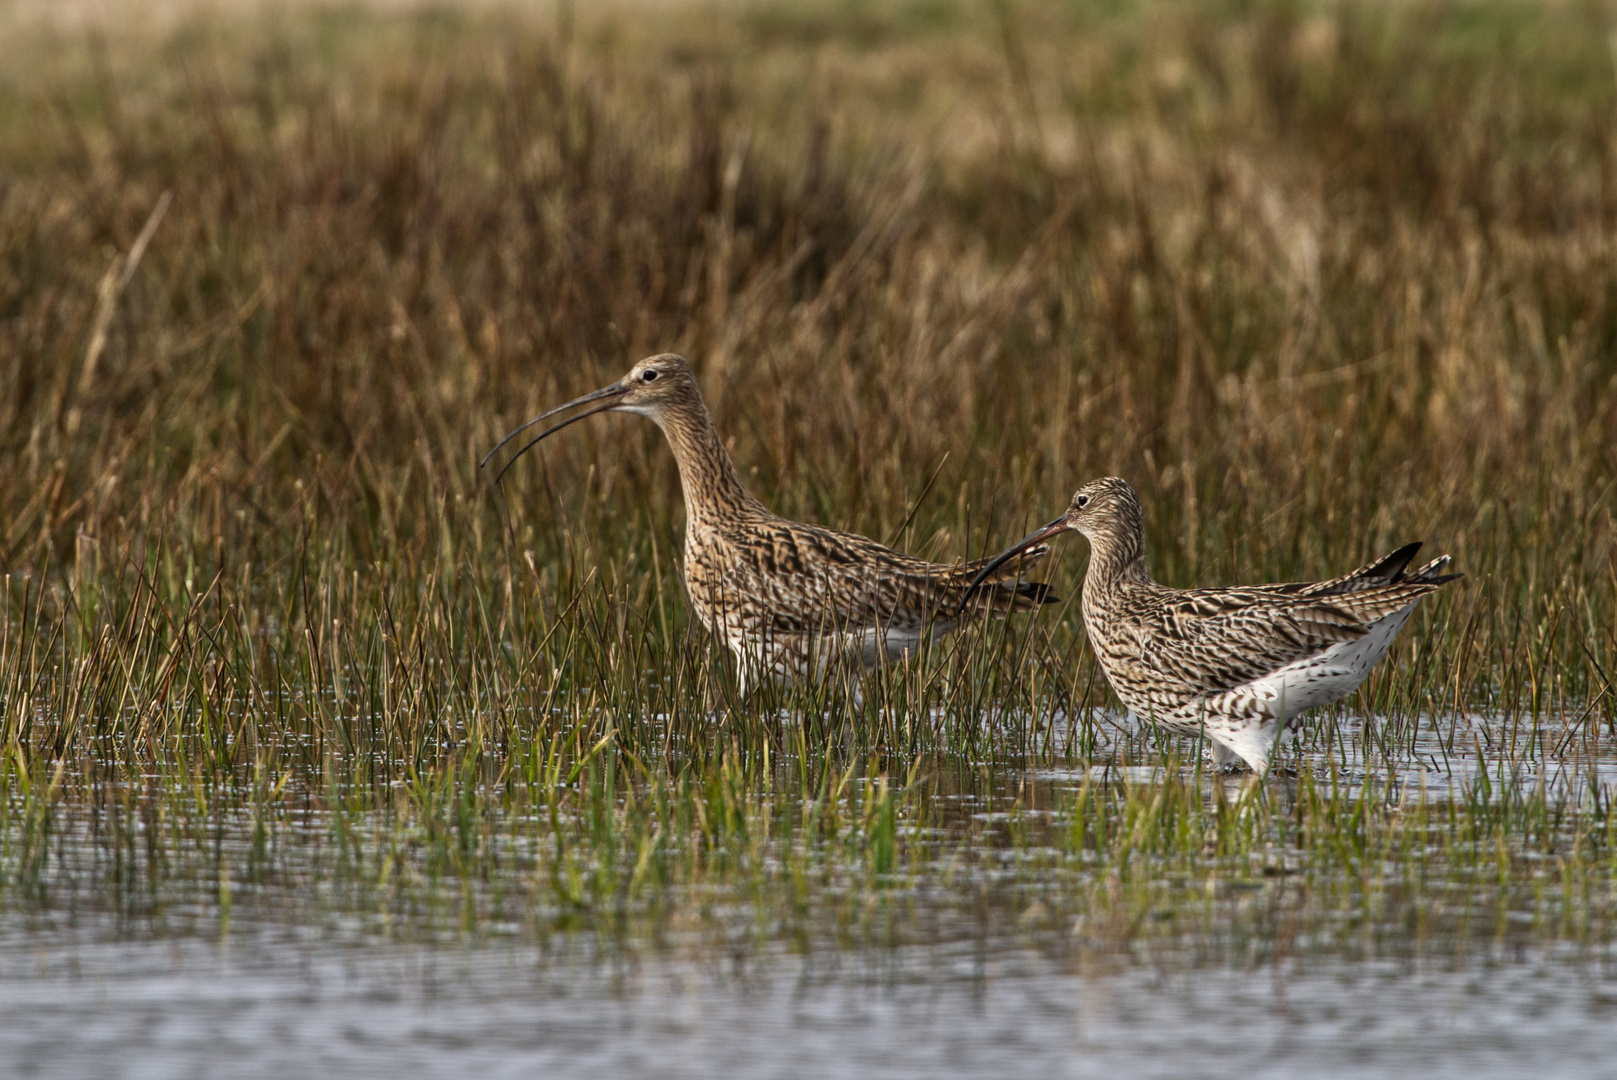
(1037, 591)
(1392, 567)
(1387, 570)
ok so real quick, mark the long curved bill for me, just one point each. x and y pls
(1032, 539)
(607, 395)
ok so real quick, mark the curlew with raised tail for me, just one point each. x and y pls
(1234, 664)
(788, 598)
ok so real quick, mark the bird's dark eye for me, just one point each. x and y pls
(649, 376)
(1083, 501)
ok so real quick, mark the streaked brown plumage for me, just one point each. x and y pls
(1234, 664)
(786, 597)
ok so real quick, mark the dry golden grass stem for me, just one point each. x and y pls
(113, 283)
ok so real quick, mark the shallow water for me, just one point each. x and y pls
(947, 974)
(279, 1002)
(1436, 759)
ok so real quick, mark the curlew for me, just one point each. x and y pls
(787, 598)
(1233, 664)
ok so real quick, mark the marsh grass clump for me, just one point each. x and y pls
(1314, 282)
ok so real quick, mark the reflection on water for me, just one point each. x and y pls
(279, 1002)
(1005, 942)
(1436, 759)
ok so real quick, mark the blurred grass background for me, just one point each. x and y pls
(1317, 279)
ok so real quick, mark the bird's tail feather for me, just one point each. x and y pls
(1432, 573)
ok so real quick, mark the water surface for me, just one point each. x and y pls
(276, 1002)
(183, 937)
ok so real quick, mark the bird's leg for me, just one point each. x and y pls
(1224, 759)
(754, 687)
(725, 708)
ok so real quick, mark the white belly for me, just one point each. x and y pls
(785, 661)
(1250, 719)
(1325, 677)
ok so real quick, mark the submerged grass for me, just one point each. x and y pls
(1317, 280)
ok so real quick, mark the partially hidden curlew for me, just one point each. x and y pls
(789, 599)
(1234, 664)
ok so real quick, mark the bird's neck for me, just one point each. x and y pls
(713, 491)
(1116, 559)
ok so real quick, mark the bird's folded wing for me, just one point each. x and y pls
(806, 579)
(1221, 639)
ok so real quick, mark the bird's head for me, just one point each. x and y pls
(655, 387)
(652, 387)
(1101, 510)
